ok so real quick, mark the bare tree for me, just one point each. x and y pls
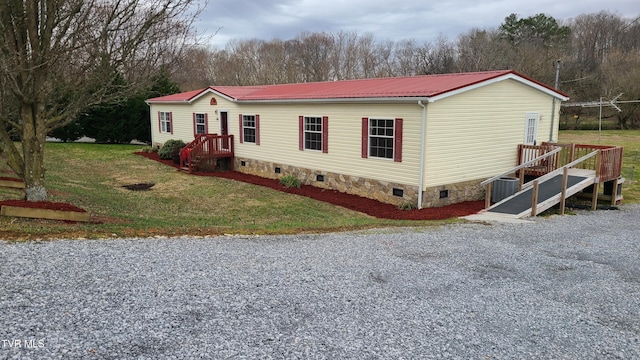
(406, 54)
(59, 57)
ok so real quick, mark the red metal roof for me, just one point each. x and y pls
(398, 87)
(180, 97)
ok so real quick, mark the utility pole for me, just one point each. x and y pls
(553, 104)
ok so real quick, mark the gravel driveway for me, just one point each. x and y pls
(558, 288)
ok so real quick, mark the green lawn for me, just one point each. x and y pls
(91, 176)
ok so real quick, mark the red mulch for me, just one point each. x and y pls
(10, 179)
(353, 202)
(41, 205)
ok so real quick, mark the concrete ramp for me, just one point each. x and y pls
(549, 194)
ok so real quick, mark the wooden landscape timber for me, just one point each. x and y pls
(12, 183)
(48, 214)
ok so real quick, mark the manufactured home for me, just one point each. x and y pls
(424, 140)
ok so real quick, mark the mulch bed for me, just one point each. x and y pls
(41, 205)
(10, 179)
(353, 202)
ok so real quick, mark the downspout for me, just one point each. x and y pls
(422, 149)
(553, 104)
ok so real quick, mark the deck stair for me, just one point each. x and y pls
(203, 152)
(556, 176)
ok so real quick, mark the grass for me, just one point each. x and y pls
(91, 176)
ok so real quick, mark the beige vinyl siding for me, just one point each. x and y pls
(279, 139)
(474, 135)
(183, 118)
(279, 135)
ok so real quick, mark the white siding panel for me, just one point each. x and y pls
(474, 135)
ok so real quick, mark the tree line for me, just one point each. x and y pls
(598, 55)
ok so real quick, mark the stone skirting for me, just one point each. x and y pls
(383, 191)
(444, 195)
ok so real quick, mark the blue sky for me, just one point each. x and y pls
(387, 20)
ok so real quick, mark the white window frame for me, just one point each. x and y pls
(306, 130)
(165, 122)
(246, 118)
(532, 119)
(200, 116)
(385, 136)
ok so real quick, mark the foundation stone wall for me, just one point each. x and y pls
(383, 191)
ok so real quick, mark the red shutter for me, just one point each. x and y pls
(301, 132)
(159, 123)
(325, 134)
(241, 132)
(365, 137)
(171, 121)
(257, 129)
(397, 141)
(195, 126)
(206, 123)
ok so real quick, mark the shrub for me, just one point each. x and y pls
(407, 206)
(171, 149)
(149, 149)
(290, 181)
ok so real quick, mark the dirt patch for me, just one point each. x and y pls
(139, 186)
(353, 202)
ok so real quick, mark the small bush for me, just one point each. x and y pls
(171, 149)
(149, 149)
(407, 206)
(290, 181)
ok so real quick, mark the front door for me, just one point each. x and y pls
(531, 127)
(224, 127)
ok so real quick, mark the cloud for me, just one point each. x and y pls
(396, 20)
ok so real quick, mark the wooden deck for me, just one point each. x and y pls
(607, 164)
(203, 153)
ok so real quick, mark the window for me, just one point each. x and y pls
(313, 131)
(531, 127)
(200, 124)
(165, 122)
(382, 138)
(250, 129)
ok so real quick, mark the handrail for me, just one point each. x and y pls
(210, 146)
(553, 152)
(552, 174)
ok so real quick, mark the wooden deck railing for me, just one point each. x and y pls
(544, 165)
(205, 150)
(608, 163)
